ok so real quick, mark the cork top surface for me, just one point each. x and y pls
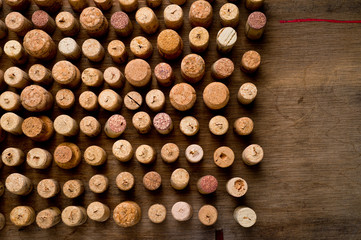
(182, 94)
(224, 67)
(200, 9)
(33, 96)
(37, 40)
(173, 12)
(162, 121)
(251, 59)
(137, 70)
(163, 71)
(168, 40)
(33, 126)
(145, 15)
(37, 72)
(116, 48)
(117, 123)
(65, 97)
(63, 154)
(40, 18)
(14, 20)
(207, 215)
(127, 214)
(119, 20)
(64, 72)
(257, 20)
(91, 18)
(193, 65)
(229, 11)
(208, 184)
(91, 47)
(152, 180)
(65, 20)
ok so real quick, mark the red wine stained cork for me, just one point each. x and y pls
(78, 5)
(170, 44)
(152, 181)
(138, 73)
(49, 5)
(12, 157)
(127, 214)
(92, 77)
(103, 5)
(153, 3)
(178, 2)
(182, 96)
(40, 74)
(226, 39)
(65, 99)
(18, 184)
(189, 126)
(245, 216)
(125, 181)
(117, 51)
(110, 100)
(43, 21)
(115, 126)
(38, 158)
(243, 126)
(98, 183)
(73, 188)
(122, 150)
(147, 20)
(114, 77)
(67, 155)
(2, 221)
(22, 216)
(207, 184)
(173, 16)
(218, 125)
(193, 67)
(66, 125)
(93, 50)
(179, 179)
(94, 22)
(155, 100)
(182, 211)
(69, 48)
(194, 153)
(201, 14)
(253, 154)
(216, 95)
(128, 5)
(222, 68)
(18, 24)
(95, 156)
(223, 157)
(98, 212)
(10, 101)
(157, 213)
(254, 5)
(145, 154)
(18, 5)
(141, 47)
(10, 122)
(36, 99)
(48, 188)
(163, 123)
(169, 152)
(3, 30)
(121, 24)
(247, 93)
(142, 122)
(255, 25)
(133, 100)
(237, 187)
(208, 215)
(229, 15)
(198, 39)
(40, 45)
(250, 61)
(90, 126)
(15, 77)
(67, 24)
(163, 72)
(15, 51)
(88, 100)
(73, 216)
(48, 218)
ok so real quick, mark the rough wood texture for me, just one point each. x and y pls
(306, 118)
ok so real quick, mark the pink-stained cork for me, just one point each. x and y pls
(121, 23)
(43, 21)
(164, 74)
(257, 20)
(207, 184)
(163, 123)
(116, 124)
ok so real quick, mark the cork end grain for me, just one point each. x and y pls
(138, 72)
(157, 213)
(152, 181)
(125, 181)
(223, 68)
(208, 215)
(40, 18)
(37, 41)
(91, 18)
(200, 10)
(207, 184)
(168, 41)
(63, 154)
(216, 95)
(33, 127)
(223, 157)
(193, 67)
(127, 214)
(64, 72)
(119, 20)
(162, 121)
(257, 20)
(182, 96)
(14, 20)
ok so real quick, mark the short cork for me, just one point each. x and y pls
(67, 24)
(65, 99)
(170, 44)
(69, 48)
(201, 14)
(251, 61)
(169, 152)
(127, 214)
(39, 158)
(182, 211)
(98, 212)
(141, 47)
(208, 215)
(173, 16)
(128, 5)
(92, 77)
(88, 100)
(125, 181)
(216, 95)
(18, 184)
(48, 218)
(73, 216)
(222, 68)
(66, 74)
(110, 100)
(142, 122)
(193, 68)
(253, 154)
(10, 101)
(15, 51)
(145, 154)
(93, 50)
(22, 216)
(66, 125)
(90, 126)
(94, 22)
(40, 45)
(147, 20)
(73, 188)
(121, 23)
(11, 123)
(155, 100)
(157, 213)
(245, 216)
(133, 100)
(237, 187)
(43, 21)
(247, 93)
(198, 39)
(17, 78)
(12, 157)
(223, 157)
(182, 96)
(98, 183)
(179, 179)
(17, 23)
(40, 74)
(35, 98)
(163, 72)
(163, 123)
(115, 126)
(152, 181)
(117, 51)
(189, 126)
(243, 126)
(207, 184)
(229, 15)
(95, 156)
(48, 188)
(67, 155)
(114, 77)
(194, 153)
(123, 150)
(138, 73)
(255, 25)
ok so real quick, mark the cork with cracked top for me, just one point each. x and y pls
(251, 60)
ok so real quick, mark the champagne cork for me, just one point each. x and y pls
(253, 154)
(145, 154)
(155, 100)
(18, 24)
(48, 188)
(255, 25)
(194, 153)
(152, 181)
(173, 16)
(141, 47)
(163, 72)
(17, 78)
(117, 51)
(163, 123)
(254, 5)
(3, 30)
(67, 24)
(128, 5)
(147, 20)
(78, 5)
(90, 126)
(218, 125)
(22, 216)
(189, 126)
(74, 216)
(36, 99)
(223, 157)
(170, 44)
(142, 122)
(229, 15)
(18, 5)
(40, 45)
(10, 122)
(12, 157)
(247, 93)
(18, 184)
(115, 126)
(125, 181)
(157, 213)
(222, 69)
(193, 67)
(48, 218)
(2, 221)
(38, 158)
(245, 216)
(73, 188)
(43, 21)
(250, 61)
(69, 48)
(182, 211)
(114, 77)
(182, 96)
(226, 39)
(169, 152)
(198, 39)
(94, 22)
(10, 101)
(65, 99)
(49, 5)
(208, 215)
(93, 50)
(237, 187)
(66, 74)
(67, 155)
(121, 24)
(216, 95)
(98, 183)
(207, 184)
(110, 100)
(103, 5)
(122, 150)
(95, 156)
(66, 126)
(127, 214)
(138, 73)
(133, 100)
(88, 100)
(179, 179)
(243, 126)
(15, 51)
(40, 74)
(98, 212)
(178, 2)
(200, 14)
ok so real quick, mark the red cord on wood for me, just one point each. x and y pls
(320, 20)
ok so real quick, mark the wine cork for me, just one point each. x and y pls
(98, 183)
(207, 184)
(163, 72)
(182, 211)
(15, 51)
(208, 215)
(18, 184)
(198, 39)
(163, 123)
(115, 126)
(110, 100)
(94, 22)
(48, 218)
(226, 39)
(114, 77)
(2, 221)
(73, 216)
(22, 216)
(49, 5)
(200, 14)
(10, 122)
(43, 21)
(179, 179)
(229, 15)
(247, 93)
(155, 100)
(48, 188)
(67, 24)
(98, 212)
(17, 78)
(125, 181)
(138, 73)
(169, 152)
(78, 5)
(243, 126)
(3, 30)
(222, 68)
(245, 216)
(141, 47)
(95, 156)
(69, 48)
(12, 157)
(173, 16)
(223, 157)
(103, 5)
(127, 214)
(218, 125)
(128, 5)
(170, 44)
(18, 24)
(122, 150)
(193, 67)
(133, 100)
(182, 96)
(38, 158)
(216, 95)
(40, 45)
(18, 5)
(66, 126)
(250, 61)
(88, 100)
(117, 51)
(93, 50)
(90, 126)
(237, 187)
(142, 122)
(147, 20)
(121, 24)
(73, 188)
(67, 155)
(157, 213)
(253, 154)
(35, 98)
(254, 5)
(40, 74)
(65, 73)
(194, 153)
(65, 99)
(255, 25)
(10, 101)
(145, 154)
(189, 126)
(152, 181)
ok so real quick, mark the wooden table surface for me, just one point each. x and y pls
(306, 118)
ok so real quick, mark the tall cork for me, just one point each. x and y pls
(66, 126)
(10, 122)
(173, 16)
(229, 15)
(65, 99)
(255, 25)
(226, 39)
(18, 184)
(43, 21)
(141, 47)
(122, 150)
(15, 51)
(48, 188)
(94, 22)
(93, 50)
(17, 78)
(73, 188)
(10, 101)
(95, 156)
(69, 48)
(117, 51)
(201, 14)
(40, 45)
(40, 74)
(18, 24)
(90, 126)
(198, 39)
(189, 126)
(163, 123)
(128, 5)
(66, 74)
(147, 20)
(22, 216)
(35, 98)
(49, 5)
(67, 155)
(115, 126)
(38, 158)
(110, 100)
(73, 216)
(98, 212)
(67, 24)
(114, 77)
(12, 157)
(48, 217)
(78, 5)
(142, 122)
(18, 5)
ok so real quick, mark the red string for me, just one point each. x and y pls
(320, 20)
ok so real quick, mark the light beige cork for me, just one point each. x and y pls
(73, 216)
(125, 181)
(67, 155)
(98, 183)
(94, 22)
(90, 126)
(17, 23)
(69, 48)
(17, 78)
(110, 100)
(128, 5)
(65, 99)
(65, 73)
(147, 20)
(145, 154)
(179, 179)
(157, 213)
(169, 152)
(78, 5)
(216, 95)
(182, 211)
(10, 122)
(253, 154)
(200, 14)
(48, 218)
(48, 188)
(93, 50)
(198, 39)
(12, 157)
(88, 100)
(182, 96)
(229, 15)
(10, 101)
(40, 45)
(66, 126)
(39, 158)
(142, 122)
(15, 51)
(247, 93)
(95, 155)
(194, 153)
(173, 16)
(243, 126)
(22, 216)
(67, 24)
(155, 100)
(141, 47)
(40, 74)
(226, 39)
(208, 215)
(223, 157)
(193, 68)
(98, 212)
(138, 73)
(114, 77)
(127, 214)
(133, 100)
(92, 77)
(122, 150)
(189, 126)
(245, 216)
(237, 187)
(18, 184)
(73, 188)
(251, 61)
(35, 98)
(117, 51)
